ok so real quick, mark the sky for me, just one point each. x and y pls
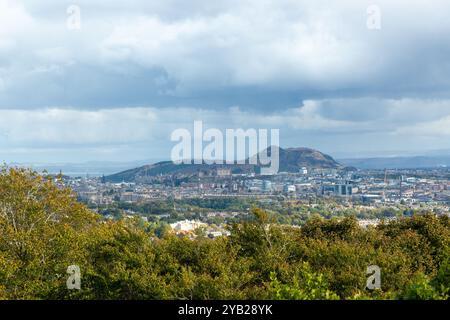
(110, 80)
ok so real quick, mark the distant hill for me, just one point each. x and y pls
(290, 160)
(415, 162)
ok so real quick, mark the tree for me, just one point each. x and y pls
(305, 285)
(41, 232)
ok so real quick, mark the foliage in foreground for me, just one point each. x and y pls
(43, 230)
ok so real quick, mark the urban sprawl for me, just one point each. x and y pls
(204, 203)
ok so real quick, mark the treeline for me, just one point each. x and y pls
(171, 206)
(283, 211)
(44, 230)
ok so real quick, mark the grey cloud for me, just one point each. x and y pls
(312, 69)
(396, 111)
(256, 54)
(88, 87)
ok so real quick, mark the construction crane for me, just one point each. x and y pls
(401, 187)
(385, 184)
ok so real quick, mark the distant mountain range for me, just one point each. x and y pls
(290, 160)
(413, 162)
